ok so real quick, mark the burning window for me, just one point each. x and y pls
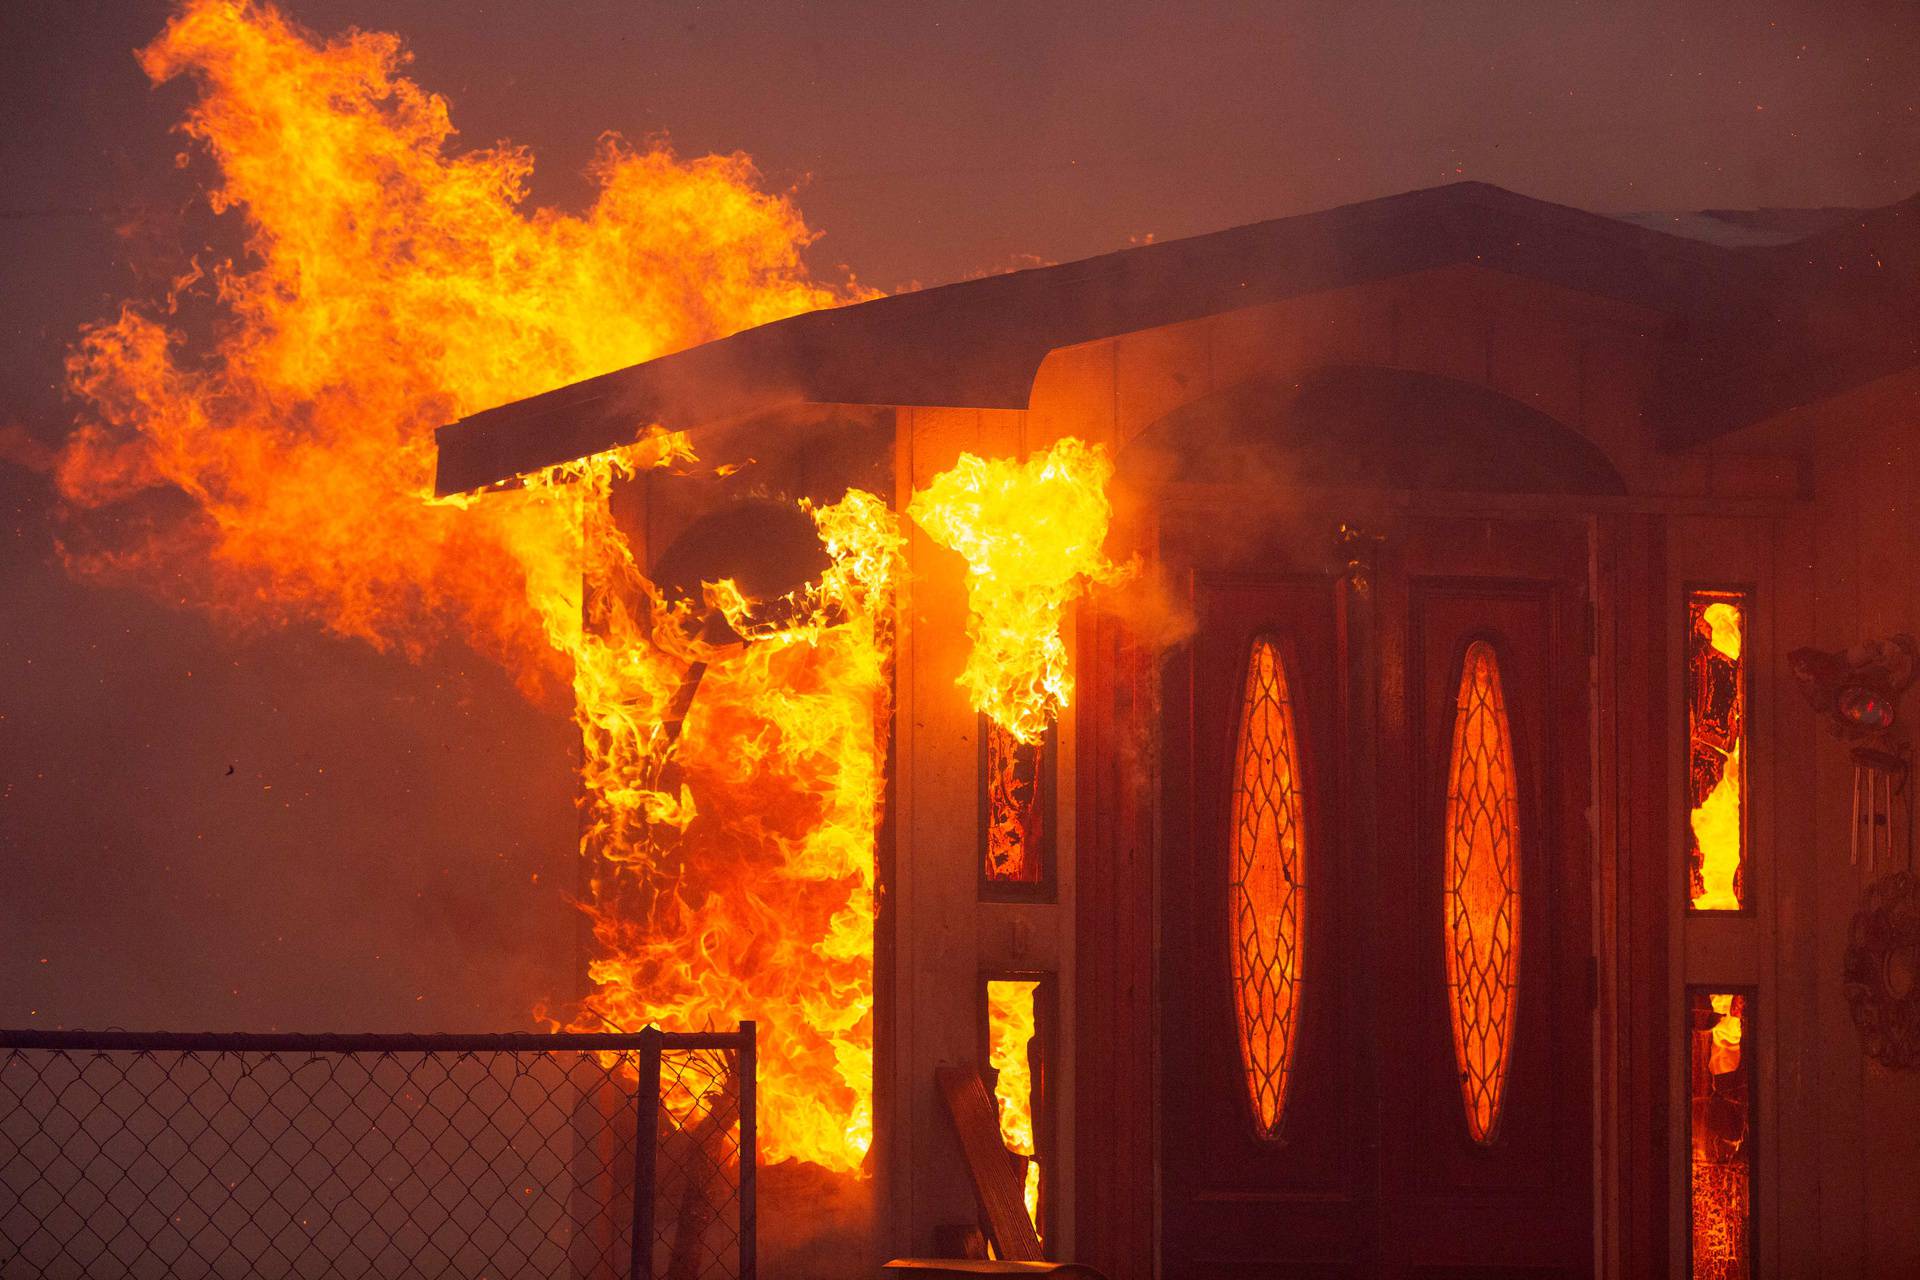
(1016, 808)
(1015, 1053)
(1266, 897)
(1482, 890)
(1716, 736)
(1720, 1126)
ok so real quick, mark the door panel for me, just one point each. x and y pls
(1377, 1171)
(1521, 1199)
(1238, 1202)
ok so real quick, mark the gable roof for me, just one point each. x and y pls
(1743, 335)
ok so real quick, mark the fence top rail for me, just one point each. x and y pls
(289, 1042)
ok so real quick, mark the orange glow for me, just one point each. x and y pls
(1483, 890)
(1720, 1124)
(392, 284)
(1267, 893)
(1716, 732)
(1030, 533)
(1010, 1033)
(1015, 824)
(748, 890)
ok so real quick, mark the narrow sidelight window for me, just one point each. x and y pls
(1014, 1053)
(1482, 890)
(1266, 893)
(1716, 741)
(1017, 782)
(1720, 1126)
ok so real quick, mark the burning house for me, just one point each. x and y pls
(1320, 711)
(1369, 744)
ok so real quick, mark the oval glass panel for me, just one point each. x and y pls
(1482, 890)
(1266, 895)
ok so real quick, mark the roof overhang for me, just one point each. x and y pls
(1751, 326)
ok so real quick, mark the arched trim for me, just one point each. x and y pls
(1366, 426)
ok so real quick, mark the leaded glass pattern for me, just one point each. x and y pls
(1267, 892)
(1720, 1126)
(1482, 890)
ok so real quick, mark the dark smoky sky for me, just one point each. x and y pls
(204, 830)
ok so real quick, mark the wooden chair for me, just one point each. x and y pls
(996, 1176)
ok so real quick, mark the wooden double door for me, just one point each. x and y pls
(1375, 1019)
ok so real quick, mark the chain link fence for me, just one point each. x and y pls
(287, 1157)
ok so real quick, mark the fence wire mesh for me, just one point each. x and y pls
(297, 1157)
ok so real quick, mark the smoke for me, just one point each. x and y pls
(19, 448)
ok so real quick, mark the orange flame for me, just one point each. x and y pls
(1721, 1158)
(1015, 825)
(1031, 534)
(391, 285)
(1725, 1055)
(1716, 827)
(760, 904)
(1717, 820)
(1010, 1030)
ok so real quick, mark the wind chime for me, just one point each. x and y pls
(1858, 691)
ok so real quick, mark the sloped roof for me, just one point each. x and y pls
(1745, 228)
(1754, 327)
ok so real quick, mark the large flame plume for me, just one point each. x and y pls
(747, 888)
(391, 284)
(1031, 534)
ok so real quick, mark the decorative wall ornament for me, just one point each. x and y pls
(1883, 971)
(1858, 690)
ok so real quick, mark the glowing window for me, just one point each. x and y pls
(1017, 793)
(1482, 890)
(1267, 892)
(1716, 734)
(1720, 1126)
(1012, 1044)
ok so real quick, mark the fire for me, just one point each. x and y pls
(1723, 628)
(1721, 1158)
(1031, 534)
(1716, 829)
(1725, 1055)
(1010, 1032)
(762, 902)
(1015, 823)
(390, 285)
(1716, 728)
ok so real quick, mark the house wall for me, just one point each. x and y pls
(1822, 536)
(1844, 1152)
(1763, 552)
(953, 938)
(1585, 361)
(1731, 514)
